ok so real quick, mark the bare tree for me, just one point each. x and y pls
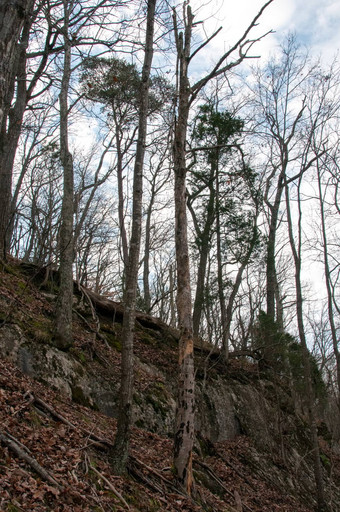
(120, 451)
(154, 235)
(15, 21)
(35, 35)
(280, 100)
(187, 93)
(322, 193)
(63, 321)
(310, 398)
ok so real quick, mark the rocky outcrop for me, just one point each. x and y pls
(231, 402)
(227, 406)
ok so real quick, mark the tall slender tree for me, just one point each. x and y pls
(119, 453)
(325, 104)
(63, 322)
(310, 397)
(157, 181)
(214, 138)
(322, 191)
(280, 101)
(15, 17)
(187, 93)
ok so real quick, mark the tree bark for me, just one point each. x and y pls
(14, 15)
(184, 422)
(220, 280)
(146, 259)
(296, 251)
(204, 237)
(184, 428)
(328, 284)
(236, 286)
(121, 215)
(63, 322)
(172, 274)
(119, 453)
(270, 261)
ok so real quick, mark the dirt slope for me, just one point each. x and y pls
(53, 451)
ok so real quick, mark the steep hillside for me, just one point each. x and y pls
(57, 415)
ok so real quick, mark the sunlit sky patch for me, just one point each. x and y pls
(315, 23)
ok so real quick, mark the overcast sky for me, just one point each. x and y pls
(315, 22)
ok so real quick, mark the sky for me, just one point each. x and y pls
(315, 22)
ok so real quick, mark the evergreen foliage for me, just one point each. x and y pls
(283, 353)
(115, 83)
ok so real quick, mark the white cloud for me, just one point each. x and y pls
(235, 17)
(316, 23)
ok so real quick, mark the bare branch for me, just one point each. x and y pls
(243, 53)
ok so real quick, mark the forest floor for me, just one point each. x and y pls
(54, 452)
(67, 468)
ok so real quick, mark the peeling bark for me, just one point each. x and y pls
(184, 428)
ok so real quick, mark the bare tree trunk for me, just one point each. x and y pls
(156, 184)
(236, 286)
(119, 453)
(220, 280)
(278, 304)
(328, 284)
(185, 412)
(63, 322)
(184, 427)
(146, 259)
(204, 237)
(271, 246)
(24, 168)
(14, 15)
(296, 251)
(122, 229)
(200, 287)
(172, 297)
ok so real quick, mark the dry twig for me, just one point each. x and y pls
(219, 481)
(96, 440)
(108, 483)
(22, 453)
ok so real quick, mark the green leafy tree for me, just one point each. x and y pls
(224, 203)
(272, 343)
(213, 138)
(113, 85)
(281, 352)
